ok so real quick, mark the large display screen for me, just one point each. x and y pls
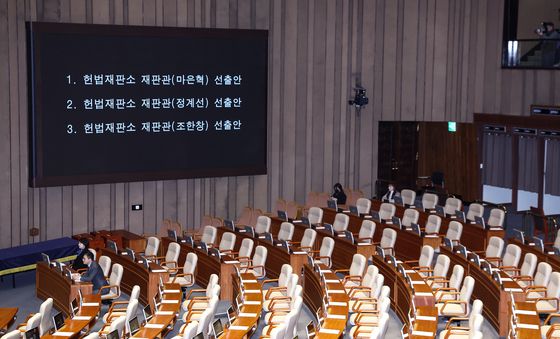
(125, 103)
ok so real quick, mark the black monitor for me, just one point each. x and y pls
(329, 228)
(283, 215)
(130, 253)
(217, 328)
(416, 228)
(133, 326)
(460, 215)
(231, 314)
(440, 211)
(68, 274)
(539, 243)
(46, 258)
(145, 262)
(229, 224)
(354, 210)
(380, 251)
(33, 333)
(331, 203)
(305, 221)
(111, 245)
(375, 216)
(113, 335)
(479, 221)
(172, 234)
(398, 200)
(349, 236)
(147, 311)
(75, 306)
(58, 321)
(199, 336)
(396, 221)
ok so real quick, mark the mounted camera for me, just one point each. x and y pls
(360, 98)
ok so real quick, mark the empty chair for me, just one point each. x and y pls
(388, 240)
(208, 292)
(475, 210)
(355, 272)
(459, 305)
(364, 290)
(245, 217)
(549, 302)
(429, 201)
(439, 272)
(325, 253)
(454, 231)
(281, 283)
(511, 258)
(198, 313)
(118, 308)
(263, 225)
(131, 311)
(286, 231)
(185, 276)
(105, 263)
(256, 266)
(452, 205)
(451, 285)
(197, 304)
(496, 218)
(282, 293)
(408, 197)
(284, 304)
(32, 322)
(371, 315)
(152, 247)
(340, 223)
(171, 257)
(307, 241)
(540, 281)
(363, 205)
(494, 249)
(315, 215)
(189, 331)
(367, 230)
(433, 224)
(410, 217)
(15, 334)
(376, 331)
(425, 261)
(227, 242)
(288, 318)
(114, 286)
(46, 320)
(245, 250)
(209, 235)
(475, 325)
(524, 275)
(387, 211)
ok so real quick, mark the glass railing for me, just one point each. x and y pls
(537, 53)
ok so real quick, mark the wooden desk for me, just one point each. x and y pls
(84, 319)
(529, 319)
(252, 304)
(135, 274)
(313, 294)
(122, 238)
(160, 321)
(50, 283)
(552, 259)
(494, 296)
(7, 316)
(206, 266)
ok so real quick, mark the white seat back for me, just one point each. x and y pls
(426, 256)
(286, 231)
(529, 265)
(190, 330)
(105, 263)
(456, 278)
(475, 210)
(387, 211)
(131, 311)
(358, 265)
(512, 255)
(46, 320)
(315, 215)
(172, 255)
(410, 217)
(454, 231)
(94, 252)
(495, 247)
(152, 247)
(285, 274)
(341, 221)
(496, 218)
(246, 248)
(553, 287)
(212, 281)
(263, 224)
(388, 238)
(363, 205)
(327, 247)
(135, 293)
(370, 276)
(34, 321)
(308, 239)
(542, 275)
(433, 224)
(452, 205)
(118, 324)
(259, 259)
(116, 277)
(227, 242)
(429, 200)
(442, 266)
(367, 230)
(408, 196)
(209, 234)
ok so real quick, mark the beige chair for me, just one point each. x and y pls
(94, 252)
(152, 248)
(454, 232)
(408, 197)
(195, 313)
(281, 283)
(32, 322)
(283, 293)
(363, 205)
(245, 250)
(371, 330)
(256, 266)
(511, 258)
(475, 210)
(459, 304)
(245, 217)
(355, 272)
(433, 224)
(227, 242)
(549, 303)
(456, 332)
(105, 264)
(15, 334)
(114, 286)
(364, 290)
(307, 241)
(424, 264)
(452, 285)
(191, 298)
(410, 217)
(367, 230)
(452, 205)
(496, 219)
(537, 287)
(494, 249)
(439, 273)
(46, 320)
(315, 215)
(286, 231)
(325, 253)
(429, 201)
(388, 240)
(284, 304)
(340, 223)
(170, 261)
(118, 308)
(209, 235)
(524, 275)
(189, 331)
(185, 276)
(263, 225)
(130, 313)
(387, 211)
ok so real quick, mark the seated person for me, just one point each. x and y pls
(391, 194)
(94, 274)
(339, 194)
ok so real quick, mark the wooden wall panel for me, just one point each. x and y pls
(432, 60)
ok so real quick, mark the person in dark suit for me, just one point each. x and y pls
(391, 194)
(339, 194)
(83, 247)
(94, 274)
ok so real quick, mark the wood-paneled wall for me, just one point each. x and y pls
(432, 60)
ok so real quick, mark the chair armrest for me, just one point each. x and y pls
(342, 270)
(447, 302)
(454, 319)
(109, 287)
(196, 290)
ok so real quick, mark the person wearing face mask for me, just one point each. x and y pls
(83, 247)
(391, 194)
(338, 194)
